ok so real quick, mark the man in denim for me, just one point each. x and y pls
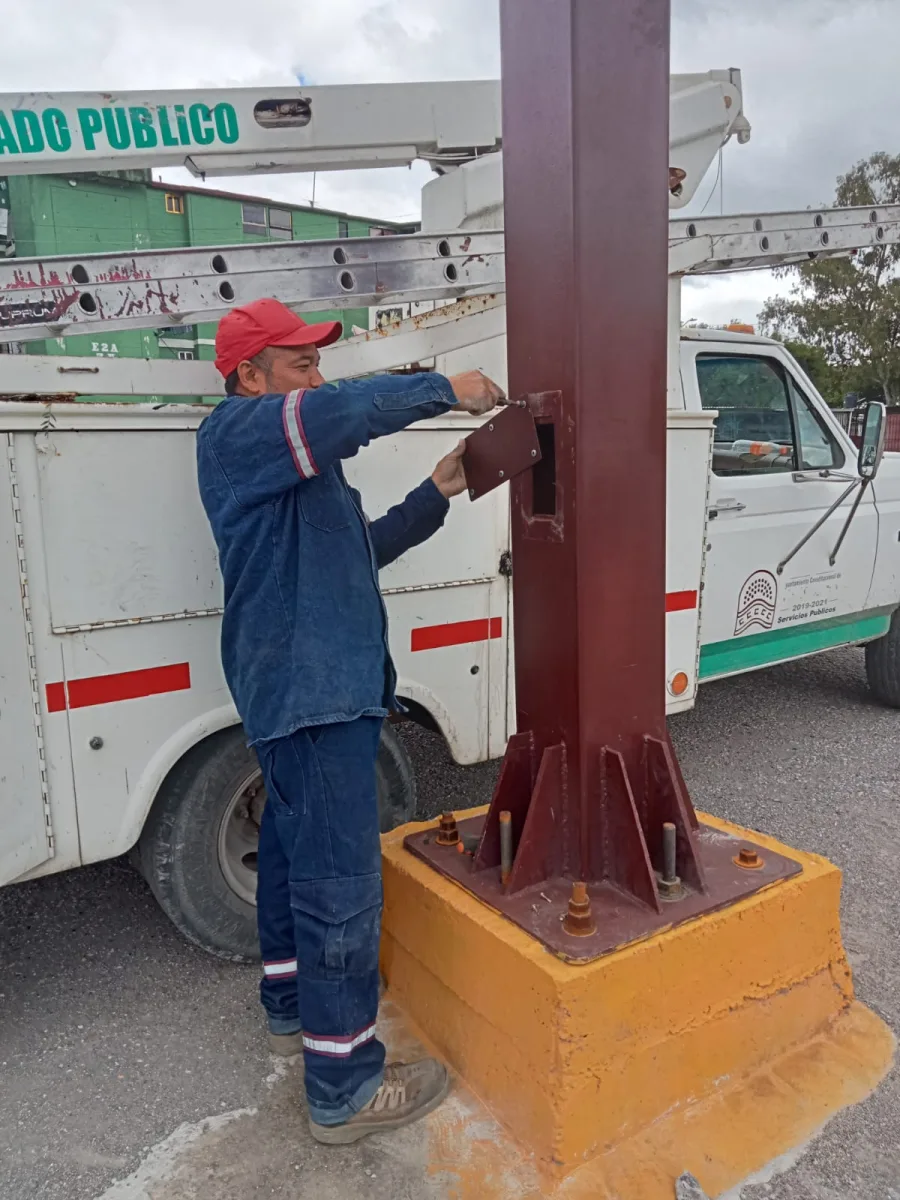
(305, 653)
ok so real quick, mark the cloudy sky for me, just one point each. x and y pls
(821, 83)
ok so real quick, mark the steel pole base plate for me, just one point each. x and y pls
(619, 918)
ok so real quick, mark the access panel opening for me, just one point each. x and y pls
(543, 503)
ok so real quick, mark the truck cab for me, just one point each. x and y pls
(779, 460)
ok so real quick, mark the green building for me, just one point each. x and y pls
(42, 215)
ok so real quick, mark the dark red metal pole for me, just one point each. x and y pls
(586, 155)
(590, 778)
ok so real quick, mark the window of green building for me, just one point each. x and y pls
(280, 223)
(266, 220)
(254, 218)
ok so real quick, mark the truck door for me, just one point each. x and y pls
(24, 833)
(775, 455)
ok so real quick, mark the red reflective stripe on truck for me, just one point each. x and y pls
(679, 601)
(457, 633)
(127, 685)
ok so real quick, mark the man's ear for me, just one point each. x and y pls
(249, 378)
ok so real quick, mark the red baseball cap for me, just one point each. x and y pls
(263, 323)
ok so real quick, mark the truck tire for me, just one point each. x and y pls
(883, 665)
(197, 850)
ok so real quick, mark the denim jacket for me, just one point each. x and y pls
(304, 633)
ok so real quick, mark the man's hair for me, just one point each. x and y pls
(261, 361)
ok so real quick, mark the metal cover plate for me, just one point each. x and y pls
(502, 448)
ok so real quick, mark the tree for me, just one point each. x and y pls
(829, 380)
(849, 308)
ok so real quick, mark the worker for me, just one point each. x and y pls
(305, 653)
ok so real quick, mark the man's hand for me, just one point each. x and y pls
(475, 393)
(448, 476)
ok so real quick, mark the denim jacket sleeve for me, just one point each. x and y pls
(408, 523)
(267, 445)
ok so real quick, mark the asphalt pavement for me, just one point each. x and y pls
(114, 1032)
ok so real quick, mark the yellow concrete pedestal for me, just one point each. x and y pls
(714, 1046)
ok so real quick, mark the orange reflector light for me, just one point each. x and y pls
(678, 684)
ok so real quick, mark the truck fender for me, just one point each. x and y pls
(465, 744)
(168, 754)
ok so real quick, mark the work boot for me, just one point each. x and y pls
(408, 1091)
(286, 1045)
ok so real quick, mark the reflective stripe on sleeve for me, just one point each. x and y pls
(296, 437)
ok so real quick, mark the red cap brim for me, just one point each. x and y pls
(323, 334)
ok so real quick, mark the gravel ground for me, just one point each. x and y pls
(113, 1031)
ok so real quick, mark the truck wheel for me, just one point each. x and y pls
(198, 847)
(883, 665)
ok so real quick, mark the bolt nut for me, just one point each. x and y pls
(670, 889)
(502, 474)
(96, 743)
(748, 858)
(534, 454)
(579, 921)
(448, 834)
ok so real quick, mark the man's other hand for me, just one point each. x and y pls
(475, 393)
(448, 476)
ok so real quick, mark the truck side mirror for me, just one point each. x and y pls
(873, 420)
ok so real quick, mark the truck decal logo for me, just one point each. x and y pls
(115, 127)
(757, 602)
(34, 313)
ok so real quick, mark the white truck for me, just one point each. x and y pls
(117, 731)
